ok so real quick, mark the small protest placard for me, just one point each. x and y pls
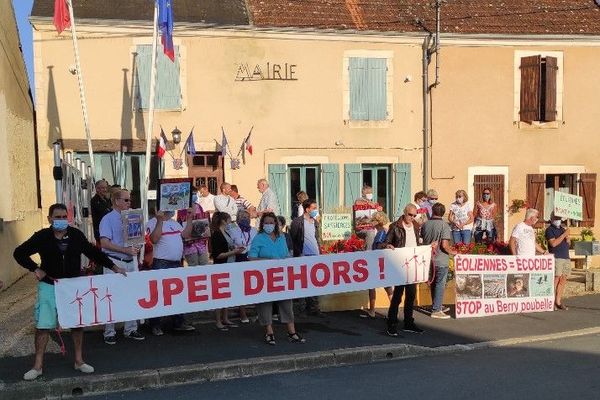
(568, 205)
(336, 226)
(133, 227)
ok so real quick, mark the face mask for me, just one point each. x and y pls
(486, 197)
(194, 198)
(268, 228)
(557, 223)
(60, 224)
(230, 226)
(244, 225)
(314, 213)
(369, 196)
(432, 201)
(460, 200)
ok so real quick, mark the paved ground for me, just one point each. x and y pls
(206, 344)
(558, 369)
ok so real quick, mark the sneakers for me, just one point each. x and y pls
(135, 335)
(392, 331)
(184, 328)
(112, 339)
(85, 368)
(32, 374)
(439, 315)
(445, 309)
(412, 328)
(156, 331)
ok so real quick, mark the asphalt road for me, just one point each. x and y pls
(558, 369)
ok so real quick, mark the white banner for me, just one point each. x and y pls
(96, 300)
(494, 285)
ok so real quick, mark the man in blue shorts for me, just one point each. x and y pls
(59, 247)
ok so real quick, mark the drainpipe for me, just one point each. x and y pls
(425, 79)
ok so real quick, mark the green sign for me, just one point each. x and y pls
(568, 206)
(336, 226)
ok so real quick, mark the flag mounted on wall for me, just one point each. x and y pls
(165, 26)
(162, 144)
(189, 143)
(62, 20)
(223, 143)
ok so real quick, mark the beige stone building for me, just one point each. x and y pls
(335, 98)
(19, 212)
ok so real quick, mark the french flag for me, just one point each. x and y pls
(162, 145)
(62, 20)
(165, 26)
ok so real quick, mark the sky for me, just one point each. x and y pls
(22, 11)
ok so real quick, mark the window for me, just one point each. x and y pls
(538, 88)
(168, 87)
(125, 169)
(304, 178)
(541, 189)
(206, 168)
(368, 89)
(378, 177)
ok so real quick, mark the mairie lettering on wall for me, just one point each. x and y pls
(248, 72)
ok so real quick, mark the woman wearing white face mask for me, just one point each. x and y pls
(485, 216)
(270, 244)
(461, 218)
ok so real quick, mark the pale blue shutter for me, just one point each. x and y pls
(359, 108)
(377, 89)
(352, 183)
(402, 194)
(142, 68)
(331, 187)
(278, 183)
(168, 87)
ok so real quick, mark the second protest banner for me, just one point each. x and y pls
(110, 298)
(493, 285)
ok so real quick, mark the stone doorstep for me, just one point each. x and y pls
(592, 280)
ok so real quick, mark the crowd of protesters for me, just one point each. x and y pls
(231, 237)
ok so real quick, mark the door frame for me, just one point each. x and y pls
(489, 170)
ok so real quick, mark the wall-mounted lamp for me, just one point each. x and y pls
(176, 133)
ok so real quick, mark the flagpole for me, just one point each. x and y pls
(86, 122)
(149, 128)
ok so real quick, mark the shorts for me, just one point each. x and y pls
(44, 312)
(562, 266)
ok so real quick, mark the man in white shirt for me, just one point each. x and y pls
(206, 199)
(167, 237)
(522, 240)
(225, 203)
(268, 201)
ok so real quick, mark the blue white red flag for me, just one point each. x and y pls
(165, 26)
(191, 147)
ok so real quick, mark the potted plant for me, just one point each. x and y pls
(516, 206)
(587, 235)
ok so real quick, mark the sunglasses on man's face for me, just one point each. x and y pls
(412, 215)
(126, 200)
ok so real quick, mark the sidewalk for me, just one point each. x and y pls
(339, 330)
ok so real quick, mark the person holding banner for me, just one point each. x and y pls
(437, 233)
(223, 250)
(60, 248)
(269, 244)
(522, 240)
(167, 236)
(558, 243)
(113, 245)
(380, 221)
(403, 233)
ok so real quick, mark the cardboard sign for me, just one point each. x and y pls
(112, 298)
(494, 285)
(174, 194)
(133, 227)
(363, 214)
(568, 205)
(336, 226)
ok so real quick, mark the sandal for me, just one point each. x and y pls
(295, 338)
(270, 339)
(222, 328)
(367, 314)
(230, 324)
(561, 306)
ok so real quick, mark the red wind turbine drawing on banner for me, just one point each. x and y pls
(108, 298)
(93, 291)
(78, 300)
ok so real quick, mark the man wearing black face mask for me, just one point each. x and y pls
(60, 248)
(558, 244)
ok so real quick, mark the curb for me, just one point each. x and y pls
(245, 368)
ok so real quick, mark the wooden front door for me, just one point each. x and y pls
(206, 168)
(496, 185)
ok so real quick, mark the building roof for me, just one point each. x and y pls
(563, 17)
(221, 12)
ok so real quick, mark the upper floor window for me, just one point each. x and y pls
(538, 88)
(168, 86)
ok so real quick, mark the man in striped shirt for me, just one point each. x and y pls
(242, 203)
